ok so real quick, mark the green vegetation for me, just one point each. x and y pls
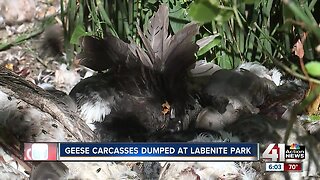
(263, 31)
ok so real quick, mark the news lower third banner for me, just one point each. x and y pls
(141, 151)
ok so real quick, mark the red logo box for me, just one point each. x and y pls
(40, 151)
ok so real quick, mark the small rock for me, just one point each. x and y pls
(17, 11)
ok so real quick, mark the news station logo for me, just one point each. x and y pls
(281, 152)
(295, 151)
(40, 151)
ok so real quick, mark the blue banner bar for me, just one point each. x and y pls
(159, 151)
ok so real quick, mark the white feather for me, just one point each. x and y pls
(247, 172)
(17, 115)
(210, 170)
(204, 68)
(276, 76)
(96, 111)
(10, 168)
(261, 71)
(206, 170)
(7, 107)
(99, 170)
(66, 79)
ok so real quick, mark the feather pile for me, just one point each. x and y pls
(143, 92)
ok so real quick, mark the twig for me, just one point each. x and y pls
(165, 167)
(293, 73)
(38, 58)
(20, 39)
(303, 39)
(41, 62)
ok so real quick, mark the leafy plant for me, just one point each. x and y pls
(256, 30)
(263, 31)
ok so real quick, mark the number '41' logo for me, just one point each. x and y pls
(274, 152)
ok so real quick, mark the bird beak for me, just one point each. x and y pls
(76, 62)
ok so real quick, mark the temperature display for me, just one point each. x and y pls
(293, 167)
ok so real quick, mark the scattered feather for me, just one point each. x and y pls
(66, 79)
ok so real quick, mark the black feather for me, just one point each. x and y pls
(102, 54)
(171, 54)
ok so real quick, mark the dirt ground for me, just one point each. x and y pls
(23, 19)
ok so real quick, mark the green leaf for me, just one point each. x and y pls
(224, 15)
(314, 118)
(203, 11)
(224, 60)
(209, 10)
(294, 67)
(178, 17)
(77, 33)
(313, 68)
(214, 42)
